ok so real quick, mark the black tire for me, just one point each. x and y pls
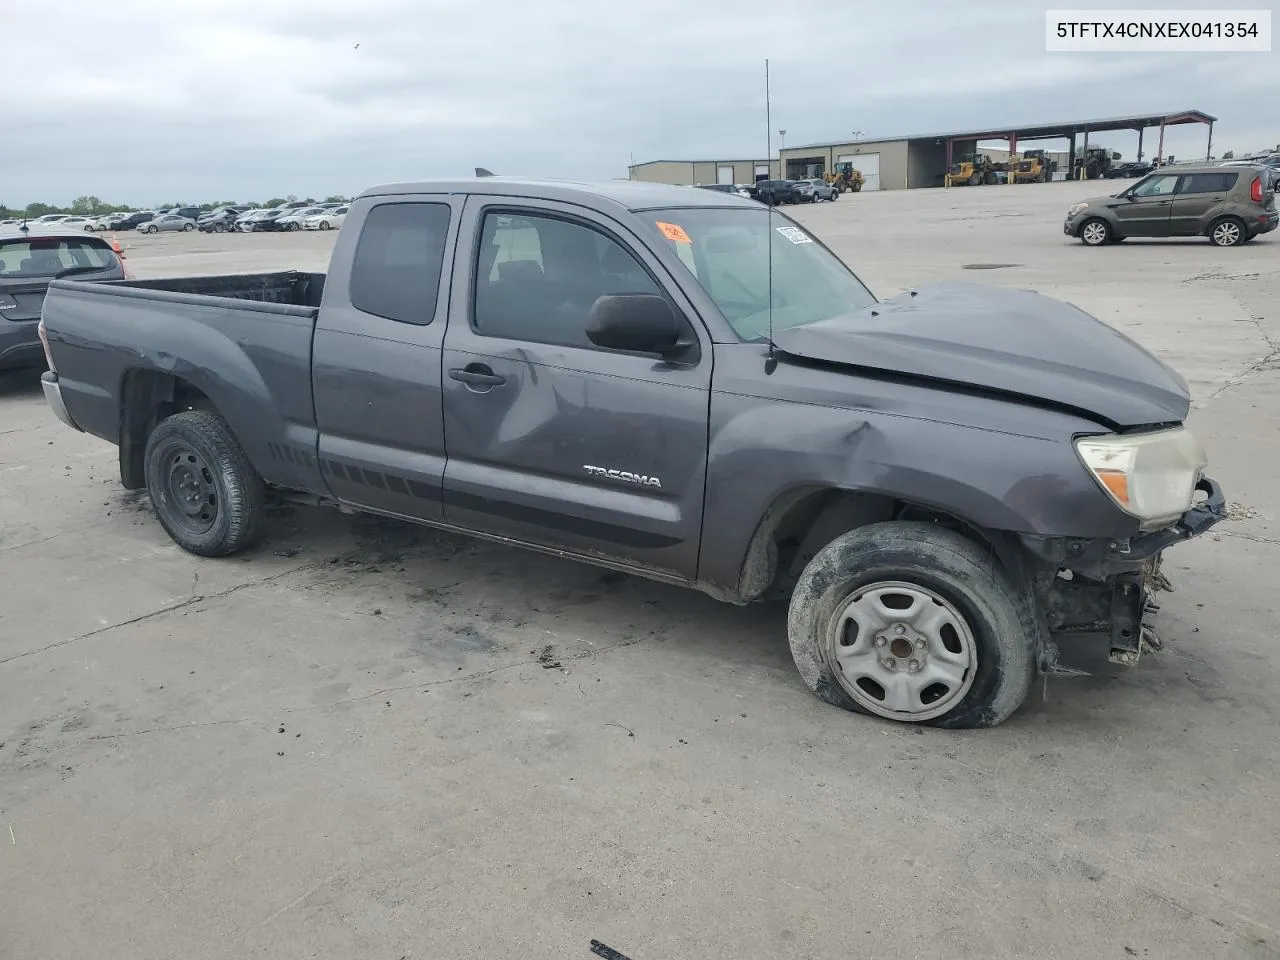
(1091, 237)
(219, 228)
(1007, 634)
(856, 187)
(1227, 232)
(975, 179)
(188, 227)
(151, 230)
(194, 463)
(324, 225)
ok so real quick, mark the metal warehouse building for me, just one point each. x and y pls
(921, 160)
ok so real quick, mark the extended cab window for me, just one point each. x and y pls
(537, 278)
(728, 252)
(396, 269)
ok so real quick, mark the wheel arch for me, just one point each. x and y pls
(801, 521)
(146, 398)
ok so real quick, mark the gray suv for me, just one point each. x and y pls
(1229, 205)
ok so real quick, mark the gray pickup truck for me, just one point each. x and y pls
(949, 485)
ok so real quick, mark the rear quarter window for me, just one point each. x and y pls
(48, 256)
(1210, 182)
(396, 269)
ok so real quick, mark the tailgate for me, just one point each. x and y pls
(23, 299)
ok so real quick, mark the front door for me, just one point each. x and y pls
(1197, 194)
(552, 440)
(1145, 210)
(376, 359)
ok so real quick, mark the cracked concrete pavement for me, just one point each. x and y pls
(368, 740)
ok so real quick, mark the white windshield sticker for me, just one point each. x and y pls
(795, 234)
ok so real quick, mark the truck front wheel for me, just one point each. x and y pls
(206, 493)
(916, 623)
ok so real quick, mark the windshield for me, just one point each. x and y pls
(727, 251)
(48, 256)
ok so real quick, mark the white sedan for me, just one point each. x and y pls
(329, 220)
(88, 224)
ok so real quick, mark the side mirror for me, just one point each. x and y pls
(638, 322)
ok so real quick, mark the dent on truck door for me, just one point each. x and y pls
(376, 359)
(552, 440)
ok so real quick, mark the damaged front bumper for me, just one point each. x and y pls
(1105, 588)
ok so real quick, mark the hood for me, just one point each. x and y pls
(1009, 342)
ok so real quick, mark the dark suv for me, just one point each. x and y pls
(774, 192)
(1229, 205)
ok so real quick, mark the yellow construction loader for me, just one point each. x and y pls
(845, 177)
(1032, 167)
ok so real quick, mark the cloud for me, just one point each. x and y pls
(148, 100)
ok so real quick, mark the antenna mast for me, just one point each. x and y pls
(771, 362)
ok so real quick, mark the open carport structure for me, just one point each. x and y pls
(922, 160)
(1072, 131)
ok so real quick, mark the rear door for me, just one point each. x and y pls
(376, 357)
(552, 440)
(1197, 200)
(1146, 209)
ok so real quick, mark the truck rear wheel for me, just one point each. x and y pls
(206, 493)
(915, 623)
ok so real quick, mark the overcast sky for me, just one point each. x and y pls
(147, 101)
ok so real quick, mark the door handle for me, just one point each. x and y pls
(477, 375)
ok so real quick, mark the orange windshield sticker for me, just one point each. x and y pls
(673, 232)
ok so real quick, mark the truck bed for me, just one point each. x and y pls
(241, 341)
(286, 288)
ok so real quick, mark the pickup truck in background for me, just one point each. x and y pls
(949, 485)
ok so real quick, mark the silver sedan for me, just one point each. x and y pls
(167, 221)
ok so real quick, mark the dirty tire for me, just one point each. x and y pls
(1007, 635)
(221, 468)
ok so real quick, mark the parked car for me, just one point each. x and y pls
(28, 262)
(218, 221)
(187, 213)
(948, 484)
(261, 220)
(87, 224)
(1229, 205)
(1130, 170)
(1272, 161)
(105, 220)
(819, 189)
(734, 188)
(328, 220)
(10, 222)
(47, 220)
(775, 192)
(131, 220)
(292, 219)
(167, 222)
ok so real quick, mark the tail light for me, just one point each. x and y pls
(1255, 190)
(44, 340)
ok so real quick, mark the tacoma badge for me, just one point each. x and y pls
(626, 475)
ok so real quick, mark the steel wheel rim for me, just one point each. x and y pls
(1094, 233)
(901, 651)
(1226, 234)
(191, 490)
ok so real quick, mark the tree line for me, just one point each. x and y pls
(89, 206)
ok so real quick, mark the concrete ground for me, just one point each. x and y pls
(366, 740)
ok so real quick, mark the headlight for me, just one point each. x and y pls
(1151, 476)
(1077, 208)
